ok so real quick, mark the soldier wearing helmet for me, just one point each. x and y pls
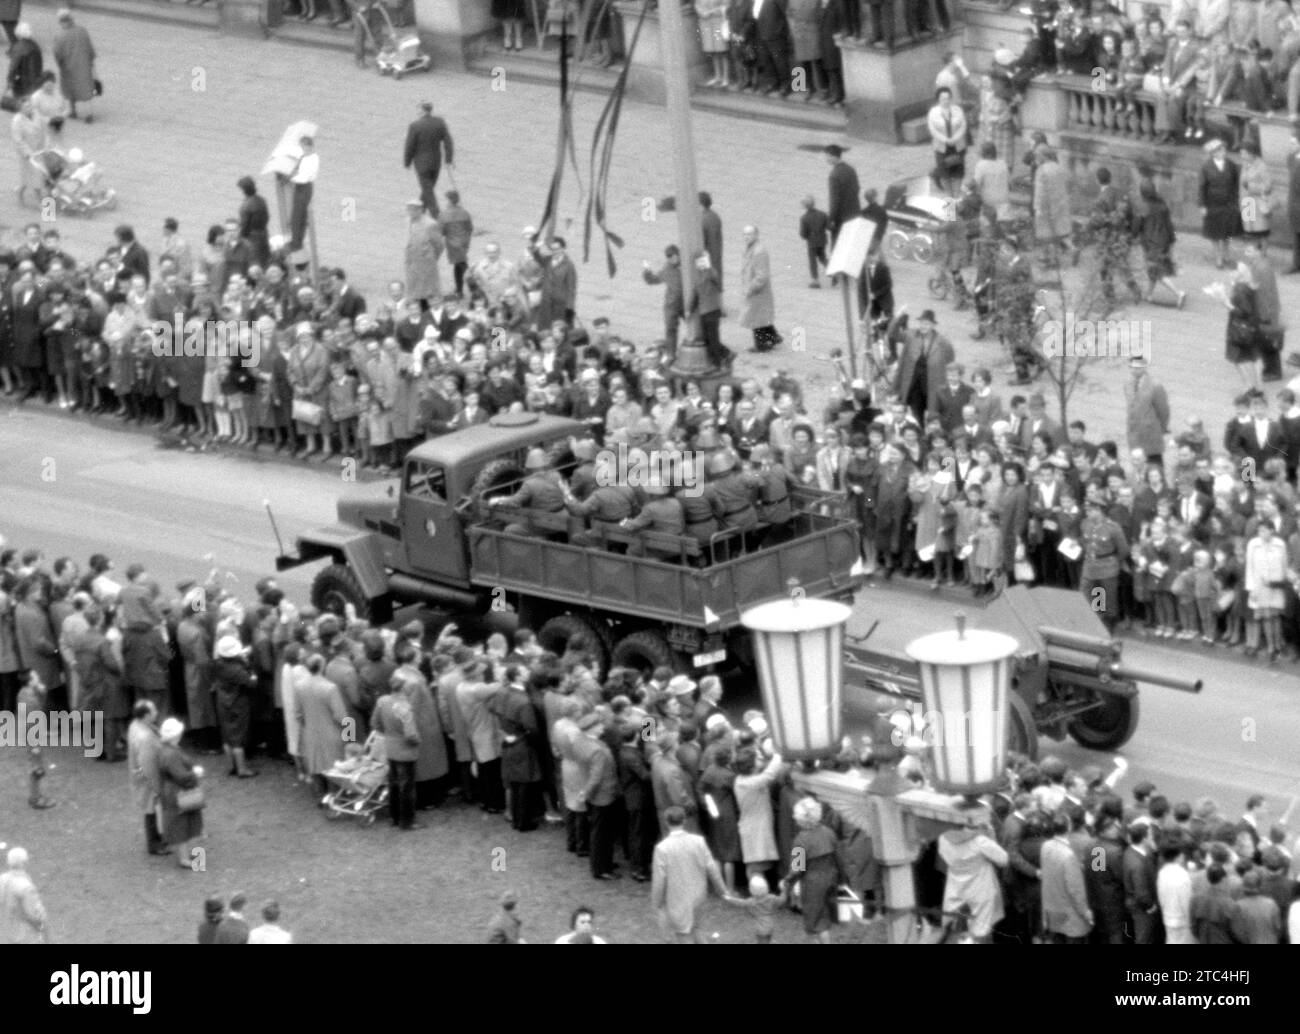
(775, 487)
(542, 490)
(697, 500)
(609, 503)
(733, 493)
(582, 482)
(661, 513)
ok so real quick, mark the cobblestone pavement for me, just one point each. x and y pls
(187, 112)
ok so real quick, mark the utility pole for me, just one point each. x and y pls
(681, 142)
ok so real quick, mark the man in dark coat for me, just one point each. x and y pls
(842, 203)
(134, 259)
(1105, 883)
(28, 346)
(711, 231)
(600, 793)
(1140, 886)
(922, 367)
(1293, 199)
(427, 142)
(254, 218)
(772, 38)
(876, 289)
(520, 768)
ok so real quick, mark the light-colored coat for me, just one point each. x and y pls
(142, 745)
(940, 138)
(682, 870)
(1265, 564)
(320, 709)
(1148, 415)
(424, 246)
(1051, 202)
(756, 285)
(973, 860)
(37, 647)
(757, 822)
(432, 760)
(564, 735)
(1065, 898)
(195, 645)
(75, 56)
(22, 916)
(484, 733)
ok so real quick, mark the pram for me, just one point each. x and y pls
(918, 212)
(360, 784)
(76, 185)
(401, 50)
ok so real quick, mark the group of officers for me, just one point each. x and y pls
(636, 496)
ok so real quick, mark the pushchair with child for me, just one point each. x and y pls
(76, 185)
(359, 783)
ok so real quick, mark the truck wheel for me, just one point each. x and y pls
(643, 651)
(1108, 726)
(1022, 737)
(335, 587)
(556, 633)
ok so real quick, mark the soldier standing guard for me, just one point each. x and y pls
(1104, 549)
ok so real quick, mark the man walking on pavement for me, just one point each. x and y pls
(427, 143)
(682, 870)
(842, 204)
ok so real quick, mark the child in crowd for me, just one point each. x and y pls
(985, 564)
(761, 905)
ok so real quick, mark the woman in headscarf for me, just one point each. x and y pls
(179, 828)
(1155, 232)
(233, 683)
(716, 790)
(1245, 329)
(815, 867)
(973, 859)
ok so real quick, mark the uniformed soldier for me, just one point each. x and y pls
(542, 490)
(605, 508)
(697, 502)
(645, 434)
(661, 513)
(733, 493)
(1104, 549)
(582, 482)
(775, 484)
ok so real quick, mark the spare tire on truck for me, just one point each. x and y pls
(492, 481)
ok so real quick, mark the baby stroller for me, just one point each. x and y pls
(401, 50)
(76, 185)
(359, 782)
(918, 213)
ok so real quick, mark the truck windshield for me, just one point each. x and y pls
(426, 480)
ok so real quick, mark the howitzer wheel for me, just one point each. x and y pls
(335, 587)
(1108, 726)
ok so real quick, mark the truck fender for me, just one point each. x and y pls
(362, 551)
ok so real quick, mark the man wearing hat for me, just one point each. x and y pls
(662, 514)
(254, 218)
(814, 227)
(922, 366)
(542, 490)
(842, 202)
(424, 246)
(427, 142)
(1147, 408)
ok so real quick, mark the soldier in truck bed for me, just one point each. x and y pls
(662, 514)
(697, 506)
(775, 484)
(542, 490)
(733, 493)
(605, 508)
(582, 482)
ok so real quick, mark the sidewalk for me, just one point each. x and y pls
(187, 112)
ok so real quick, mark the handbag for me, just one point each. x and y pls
(191, 799)
(98, 88)
(8, 102)
(307, 412)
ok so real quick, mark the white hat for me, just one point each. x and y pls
(17, 858)
(304, 328)
(171, 730)
(715, 720)
(228, 647)
(680, 685)
(76, 156)
(1003, 56)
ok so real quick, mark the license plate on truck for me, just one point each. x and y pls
(712, 657)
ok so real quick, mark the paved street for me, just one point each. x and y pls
(187, 112)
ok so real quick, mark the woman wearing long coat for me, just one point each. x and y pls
(1052, 220)
(753, 790)
(75, 56)
(892, 505)
(431, 764)
(194, 642)
(233, 684)
(424, 246)
(309, 374)
(806, 41)
(973, 859)
(815, 868)
(1218, 194)
(717, 783)
(1013, 513)
(177, 772)
(1266, 577)
(320, 710)
(759, 306)
(98, 662)
(1244, 332)
(564, 734)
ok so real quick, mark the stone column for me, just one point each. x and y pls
(449, 28)
(645, 78)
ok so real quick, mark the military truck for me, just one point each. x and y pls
(431, 539)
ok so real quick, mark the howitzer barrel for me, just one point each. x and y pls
(1124, 671)
(1098, 646)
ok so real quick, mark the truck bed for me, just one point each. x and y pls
(820, 557)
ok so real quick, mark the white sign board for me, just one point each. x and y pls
(851, 247)
(284, 159)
